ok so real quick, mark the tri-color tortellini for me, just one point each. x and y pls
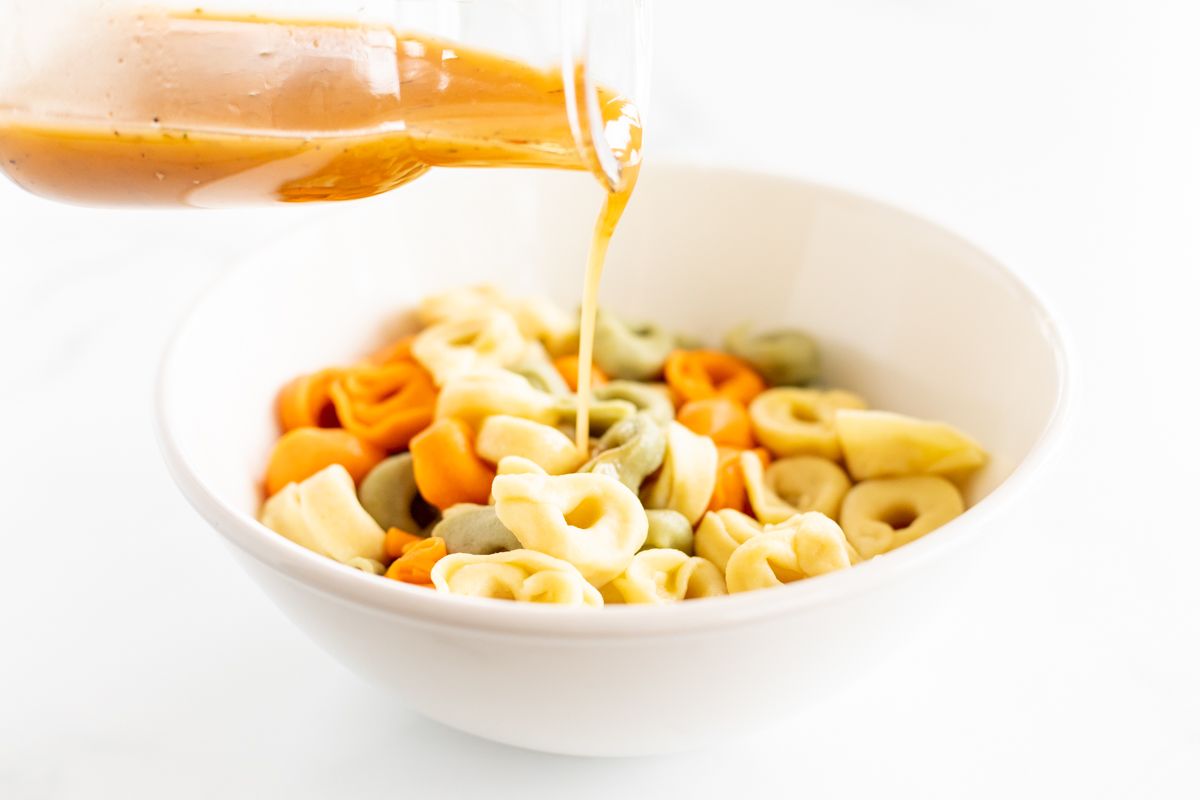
(446, 461)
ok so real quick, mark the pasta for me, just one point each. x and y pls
(880, 444)
(631, 352)
(796, 422)
(467, 528)
(653, 398)
(464, 344)
(634, 447)
(592, 521)
(305, 402)
(546, 446)
(722, 532)
(322, 513)
(661, 576)
(688, 476)
(525, 575)
(389, 494)
(704, 374)
(446, 468)
(805, 546)
(384, 405)
(303, 452)
(793, 485)
(476, 396)
(536, 317)
(882, 514)
(784, 357)
(724, 421)
(446, 460)
(668, 529)
(536, 367)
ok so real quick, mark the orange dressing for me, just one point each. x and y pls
(212, 111)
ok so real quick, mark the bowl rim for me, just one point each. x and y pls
(422, 607)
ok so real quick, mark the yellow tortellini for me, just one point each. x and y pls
(665, 576)
(463, 345)
(722, 532)
(524, 575)
(880, 444)
(537, 317)
(474, 397)
(805, 546)
(323, 514)
(790, 486)
(688, 475)
(795, 422)
(592, 521)
(536, 367)
(882, 514)
(548, 447)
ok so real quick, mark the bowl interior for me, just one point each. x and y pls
(908, 315)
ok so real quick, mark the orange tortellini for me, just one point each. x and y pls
(446, 461)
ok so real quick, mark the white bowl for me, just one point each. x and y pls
(909, 315)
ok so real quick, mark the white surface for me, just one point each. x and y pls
(328, 293)
(138, 661)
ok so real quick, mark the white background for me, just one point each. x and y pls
(137, 661)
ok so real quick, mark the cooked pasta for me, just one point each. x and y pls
(525, 575)
(591, 521)
(322, 513)
(446, 460)
(795, 422)
(881, 514)
(805, 546)
(664, 575)
(688, 475)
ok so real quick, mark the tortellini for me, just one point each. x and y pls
(665, 576)
(631, 352)
(537, 317)
(461, 440)
(323, 514)
(784, 357)
(880, 444)
(591, 521)
(882, 514)
(805, 546)
(525, 575)
(794, 422)
(722, 532)
(634, 447)
(668, 529)
(652, 398)
(463, 345)
(474, 397)
(389, 494)
(793, 485)
(688, 475)
(468, 528)
(548, 447)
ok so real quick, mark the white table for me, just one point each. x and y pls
(136, 661)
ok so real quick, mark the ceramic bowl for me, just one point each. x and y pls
(909, 315)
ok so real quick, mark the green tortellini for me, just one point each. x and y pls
(537, 368)
(785, 357)
(389, 494)
(468, 528)
(631, 352)
(634, 448)
(602, 414)
(668, 530)
(654, 399)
